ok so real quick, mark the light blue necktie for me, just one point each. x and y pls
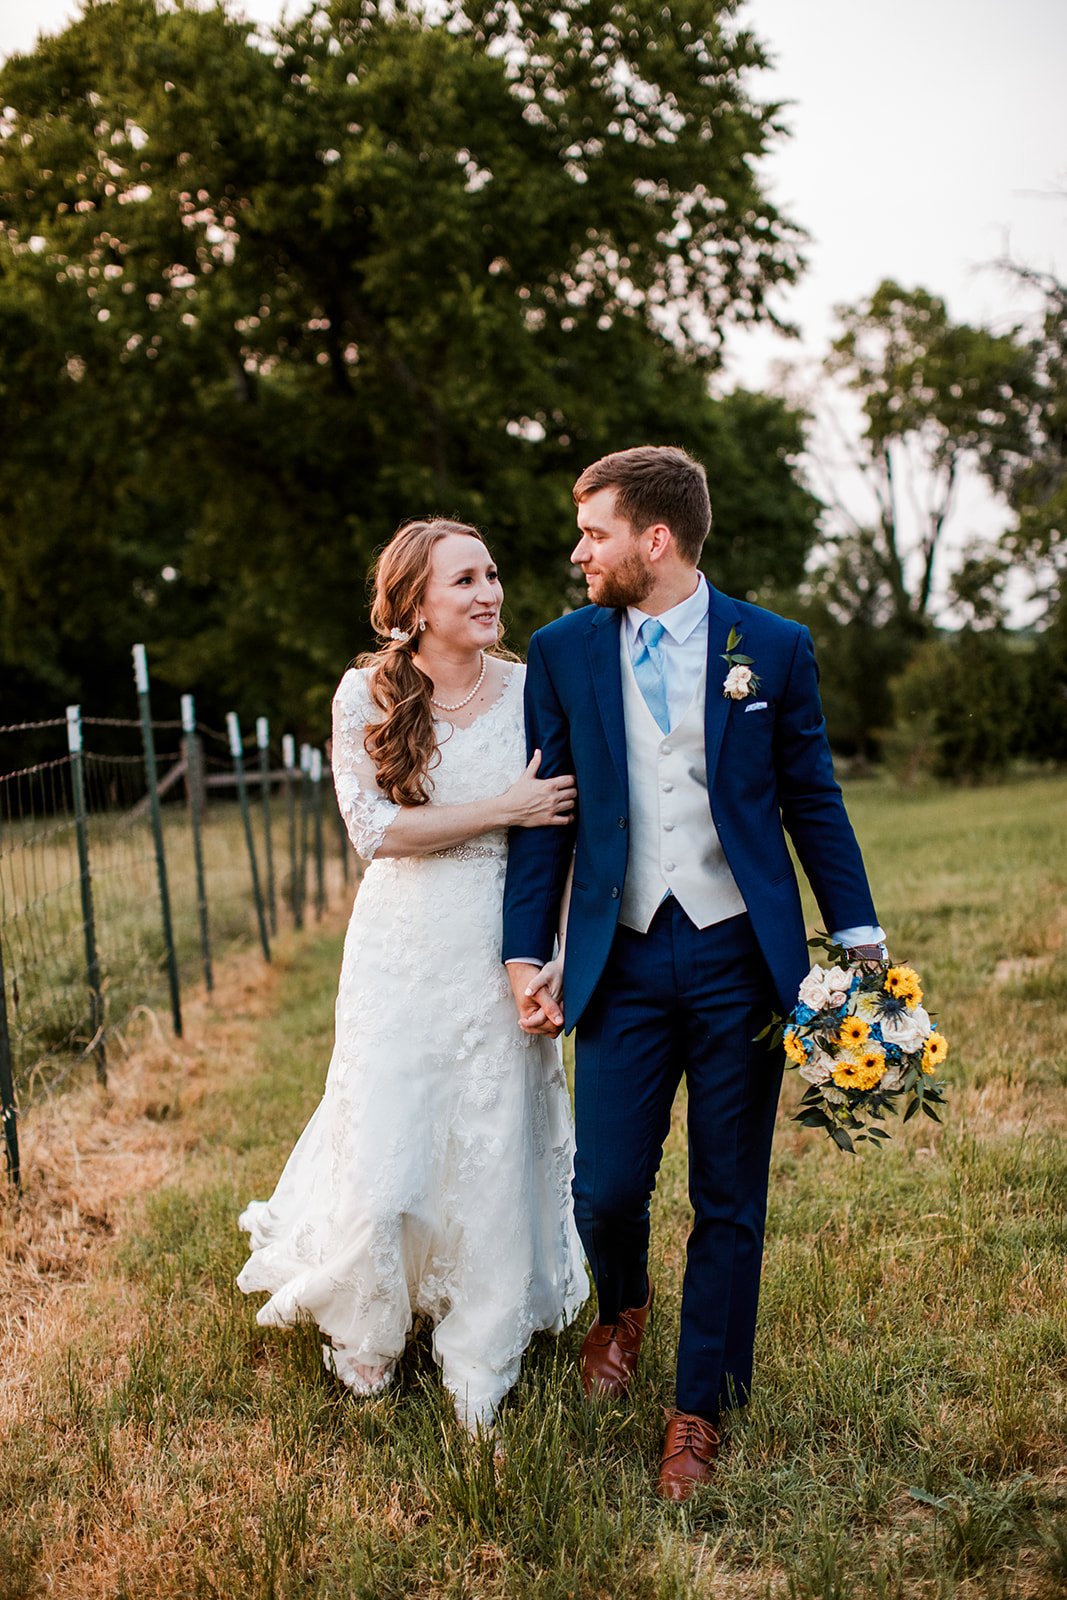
(648, 670)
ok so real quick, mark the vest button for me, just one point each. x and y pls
(668, 866)
(622, 822)
(666, 787)
(664, 749)
(668, 827)
(615, 893)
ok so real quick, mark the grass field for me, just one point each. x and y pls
(909, 1433)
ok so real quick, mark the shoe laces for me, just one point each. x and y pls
(692, 1433)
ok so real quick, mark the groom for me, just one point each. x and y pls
(693, 725)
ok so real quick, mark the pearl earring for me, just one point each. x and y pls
(422, 624)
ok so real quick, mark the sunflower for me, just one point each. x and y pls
(934, 1052)
(903, 984)
(853, 1032)
(861, 1070)
(793, 1048)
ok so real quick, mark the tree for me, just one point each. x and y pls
(1035, 479)
(271, 298)
(935, 395)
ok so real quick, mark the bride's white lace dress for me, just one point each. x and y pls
(434, 1177)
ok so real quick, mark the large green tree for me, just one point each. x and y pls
(1035, 479)
(936, 396)
(263, 298)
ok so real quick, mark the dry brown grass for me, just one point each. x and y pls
(88, 1153)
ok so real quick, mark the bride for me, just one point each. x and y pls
(434, 1177)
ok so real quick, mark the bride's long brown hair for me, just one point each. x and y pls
(403, 745)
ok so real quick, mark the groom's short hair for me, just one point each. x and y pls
(655, 483)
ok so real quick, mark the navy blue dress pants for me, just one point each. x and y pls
(680, 1000)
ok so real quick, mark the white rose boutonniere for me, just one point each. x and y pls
(737, 685)
(740, 681)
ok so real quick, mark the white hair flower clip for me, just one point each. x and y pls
(399, 635)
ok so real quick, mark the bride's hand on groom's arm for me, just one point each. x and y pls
(534, 802)
(537, 992)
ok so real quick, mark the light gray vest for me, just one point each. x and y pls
(673, 842)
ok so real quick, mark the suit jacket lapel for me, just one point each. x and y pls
(722, 614)
(603, 645)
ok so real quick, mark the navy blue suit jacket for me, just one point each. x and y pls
(769, 771)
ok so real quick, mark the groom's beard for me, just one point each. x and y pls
(629, 584)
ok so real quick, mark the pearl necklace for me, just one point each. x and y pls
(467, 698)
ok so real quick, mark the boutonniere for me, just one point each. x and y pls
(740, 681)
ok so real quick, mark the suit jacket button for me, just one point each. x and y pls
(615, 893)
(622, 822)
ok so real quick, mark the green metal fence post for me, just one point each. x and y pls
(289, 764)
(196, 811)
(140, 674)
(263, 743)
(320, 863)
(305, 822)
(81, 830)
(8, 1106)
(237, 752)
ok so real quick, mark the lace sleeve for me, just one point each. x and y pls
(366, 812)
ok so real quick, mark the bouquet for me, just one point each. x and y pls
(861, 1039)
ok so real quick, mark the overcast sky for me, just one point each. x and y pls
(929, 139)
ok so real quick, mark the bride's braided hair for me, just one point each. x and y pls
(403, 745)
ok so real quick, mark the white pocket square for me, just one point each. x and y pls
(757, 705)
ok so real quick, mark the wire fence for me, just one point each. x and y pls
(135, 854)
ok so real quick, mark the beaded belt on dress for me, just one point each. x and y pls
(469, 852)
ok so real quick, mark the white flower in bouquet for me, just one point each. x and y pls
(892, 1078)
(865, 1005)
(908, 1030)
(818, 1067)
(825, 988)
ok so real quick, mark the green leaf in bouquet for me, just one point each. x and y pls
(842, 1140)
(912, 1108)
(929, 1111)
(813, 1119)
(762, 1034)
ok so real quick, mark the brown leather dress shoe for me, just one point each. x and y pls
(610, 1351)
(690, 1450)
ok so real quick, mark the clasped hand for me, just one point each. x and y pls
(538, 995)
